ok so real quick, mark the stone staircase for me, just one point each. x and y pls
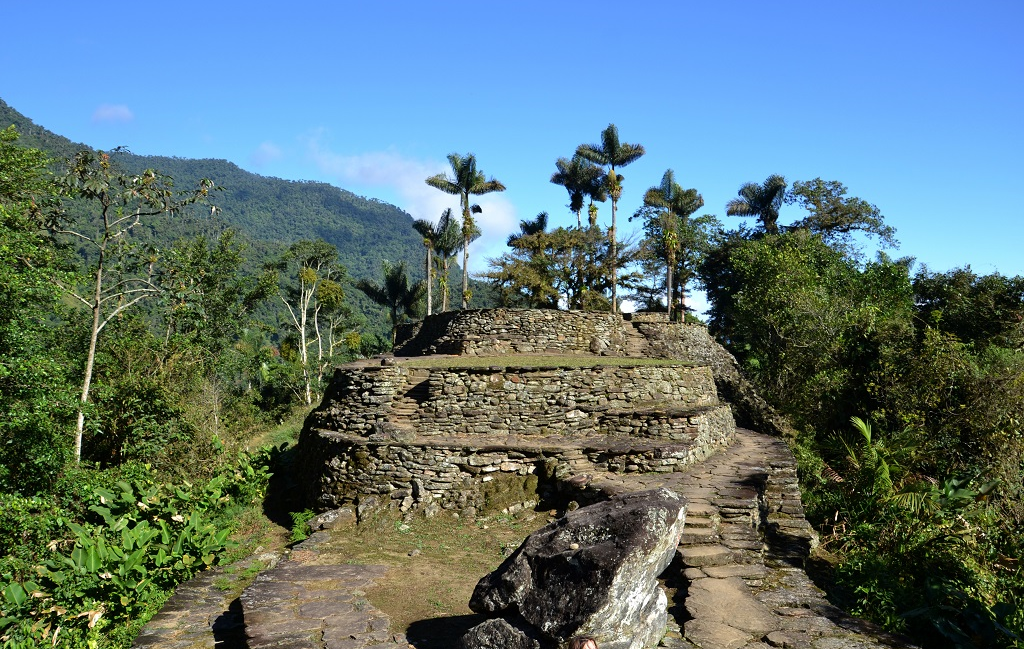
(741, 555)
(405, 408)
(636, 345)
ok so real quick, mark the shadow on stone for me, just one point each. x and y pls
(676, 585)
(441, 632)
(229, 627)
(790, 549)
(282, 491)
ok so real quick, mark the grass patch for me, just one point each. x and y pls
(286, 432)
(237, 577)
(527, 360)
(451, 555)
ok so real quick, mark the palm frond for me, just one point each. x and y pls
(862, 427)
(739, 207)
(592, 152)
(486, 187)
(444, 183)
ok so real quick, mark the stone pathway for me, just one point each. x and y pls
(740, 563)
(297, 604)
(742, 554)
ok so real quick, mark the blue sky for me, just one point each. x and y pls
(916, 107)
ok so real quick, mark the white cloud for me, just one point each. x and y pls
(264, 154)
(405, 178)
(117, 113)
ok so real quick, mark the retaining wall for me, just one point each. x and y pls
(520, 400)
(484, 332)
(435, 475)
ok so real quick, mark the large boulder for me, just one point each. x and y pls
(592, 572)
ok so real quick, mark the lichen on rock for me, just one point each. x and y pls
(593, 571)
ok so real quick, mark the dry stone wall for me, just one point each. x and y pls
(515, 400)
(694, 343)
(492, 475)
(485, 332)
(435, 438)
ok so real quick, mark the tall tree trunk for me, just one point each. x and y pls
(319, 344)
(465, 276)
(681, 289)
(614, 261)
(90, 359)
(303, 352)
(467, 232)
(445, 286)
(668, 282)
(430, 286)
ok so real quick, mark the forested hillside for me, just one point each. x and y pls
(270, 213)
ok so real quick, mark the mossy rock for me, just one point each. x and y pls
(508, 489)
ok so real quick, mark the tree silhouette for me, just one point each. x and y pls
(612, 153)
(395, 294)
(122, 274)
(430, 232)
(581, 178)
(466, 180)
(762, 201)
(447, 247)
(676, 205)
(526, 228)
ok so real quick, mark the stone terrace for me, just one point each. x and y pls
(452, 439)
(430, 435)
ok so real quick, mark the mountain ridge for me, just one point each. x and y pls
(271, 212)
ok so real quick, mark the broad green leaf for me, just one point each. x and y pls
(15, 594)
(92, 560)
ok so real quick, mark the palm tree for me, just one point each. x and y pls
(395, 294)
(581, 178)
(447, 247)
(430, 233)
(678, 204)
(527, 228)
(612, 153)
(464, 182)
(762, 201)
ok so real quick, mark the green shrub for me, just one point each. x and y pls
(103, 564)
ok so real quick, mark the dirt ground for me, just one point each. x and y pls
(435, 562)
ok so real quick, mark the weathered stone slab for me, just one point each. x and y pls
(728, 601)
(706, 555)
(593, 571)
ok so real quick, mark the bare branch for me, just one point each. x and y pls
(75, 234)
(119, 310)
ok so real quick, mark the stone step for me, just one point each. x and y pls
(698, 556)
(698, 521)
(699, 509)
(698, 536)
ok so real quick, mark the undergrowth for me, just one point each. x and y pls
(89, 566)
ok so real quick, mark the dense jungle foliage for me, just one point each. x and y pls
(142, 352)
(908, 390)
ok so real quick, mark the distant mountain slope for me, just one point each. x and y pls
(273, 210)
(270, 211)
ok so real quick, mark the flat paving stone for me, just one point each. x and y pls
(711, 634)
(728, 601)
(746, 570)
(706, 555)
